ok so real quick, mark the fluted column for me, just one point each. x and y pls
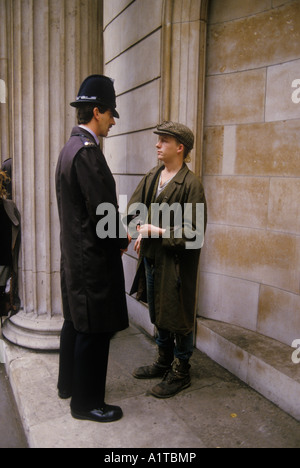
(4, 63)
(184, 68)
(54, 45)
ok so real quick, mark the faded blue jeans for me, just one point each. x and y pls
(183, 345)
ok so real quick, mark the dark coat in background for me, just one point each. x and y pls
(5, 235)
(10, 238)
(92, 277)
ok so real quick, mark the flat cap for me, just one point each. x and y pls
(179, 131)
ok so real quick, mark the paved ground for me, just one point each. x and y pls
(218, 410)
(11, 431)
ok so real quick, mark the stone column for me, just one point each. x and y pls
(54, 45)
(4, 107)
(184, 71)
(183, 68)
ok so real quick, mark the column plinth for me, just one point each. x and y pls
(34, 332)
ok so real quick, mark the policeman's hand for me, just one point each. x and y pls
(125, 250)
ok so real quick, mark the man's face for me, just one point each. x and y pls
(105, 122)
(167, 148)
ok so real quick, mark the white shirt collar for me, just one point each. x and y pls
(91, 132)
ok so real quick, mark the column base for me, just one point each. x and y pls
(34, 332)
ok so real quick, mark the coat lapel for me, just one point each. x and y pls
(109, 178)
(173, 186)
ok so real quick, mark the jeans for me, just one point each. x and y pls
(183, 345)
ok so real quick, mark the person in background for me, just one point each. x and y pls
(7, 167)
(9, 250)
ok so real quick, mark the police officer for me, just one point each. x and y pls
(92, 277)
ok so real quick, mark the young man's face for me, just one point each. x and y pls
(168, 148)
(105, 122)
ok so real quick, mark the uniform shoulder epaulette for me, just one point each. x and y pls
(87, 143)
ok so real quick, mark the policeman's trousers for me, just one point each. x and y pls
(83, 367)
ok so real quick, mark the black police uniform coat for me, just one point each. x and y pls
(92, 277)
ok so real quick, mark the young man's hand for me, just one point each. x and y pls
(137, 245)
(148, 230)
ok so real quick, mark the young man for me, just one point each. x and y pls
(168, 258)
(92, 278)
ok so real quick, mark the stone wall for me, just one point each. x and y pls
(132, 48)
(250, 268)
(152, 49)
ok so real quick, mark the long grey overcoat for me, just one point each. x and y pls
(176, 265)
(92, 277)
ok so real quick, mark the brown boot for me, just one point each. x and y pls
(177, 379)
(158, 368)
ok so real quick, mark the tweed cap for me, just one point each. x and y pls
(179, 131)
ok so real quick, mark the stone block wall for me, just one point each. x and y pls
(132, 36)
(250, 267)
(152, 50)
(132, 52)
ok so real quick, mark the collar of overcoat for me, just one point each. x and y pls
(82, 131)
(173, 186)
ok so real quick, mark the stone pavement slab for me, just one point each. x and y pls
(11, 430)
(218, 410)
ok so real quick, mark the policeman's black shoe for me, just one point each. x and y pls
(102, 415)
